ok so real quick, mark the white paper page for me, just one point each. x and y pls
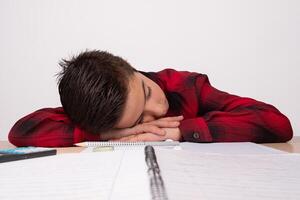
(132, 181)
(189, 175)
(229, 148)
(70, 176)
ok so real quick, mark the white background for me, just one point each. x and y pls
(246, 47)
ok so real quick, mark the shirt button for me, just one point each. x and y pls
(196, 135)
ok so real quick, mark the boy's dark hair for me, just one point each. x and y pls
(93, 88)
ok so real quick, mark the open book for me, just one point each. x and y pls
(124, 174)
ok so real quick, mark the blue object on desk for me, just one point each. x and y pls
(7, 155)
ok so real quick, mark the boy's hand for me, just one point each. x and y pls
(171, 133)
(167, 122)
(156, 128)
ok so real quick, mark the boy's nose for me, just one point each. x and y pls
(148, 118)
(152, 111)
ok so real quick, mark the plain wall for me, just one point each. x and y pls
(249, 48)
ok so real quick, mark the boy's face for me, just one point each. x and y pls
(145, 102)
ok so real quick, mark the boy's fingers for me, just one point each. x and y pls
(165, 124)
(169, 119)
(154, 127)
(151, 137)
(142, 137)
(150, 128)
(139, 129)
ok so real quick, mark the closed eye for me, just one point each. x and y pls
(149, 93)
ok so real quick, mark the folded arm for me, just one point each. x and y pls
(230, 118)
(48, 127)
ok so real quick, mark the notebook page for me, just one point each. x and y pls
(229, 148)
(132, 181)
(190, 175)
(66, 176)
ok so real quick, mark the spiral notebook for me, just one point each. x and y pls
(127, 144)
(182, 175)
(117, 145)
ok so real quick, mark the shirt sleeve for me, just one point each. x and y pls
(230, 118)
(48, 127)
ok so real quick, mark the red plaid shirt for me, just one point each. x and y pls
(210, 115)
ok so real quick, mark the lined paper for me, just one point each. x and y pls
(132, 181)
(190, 175)
(105, 175)
(229, 148)
(123, 174)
